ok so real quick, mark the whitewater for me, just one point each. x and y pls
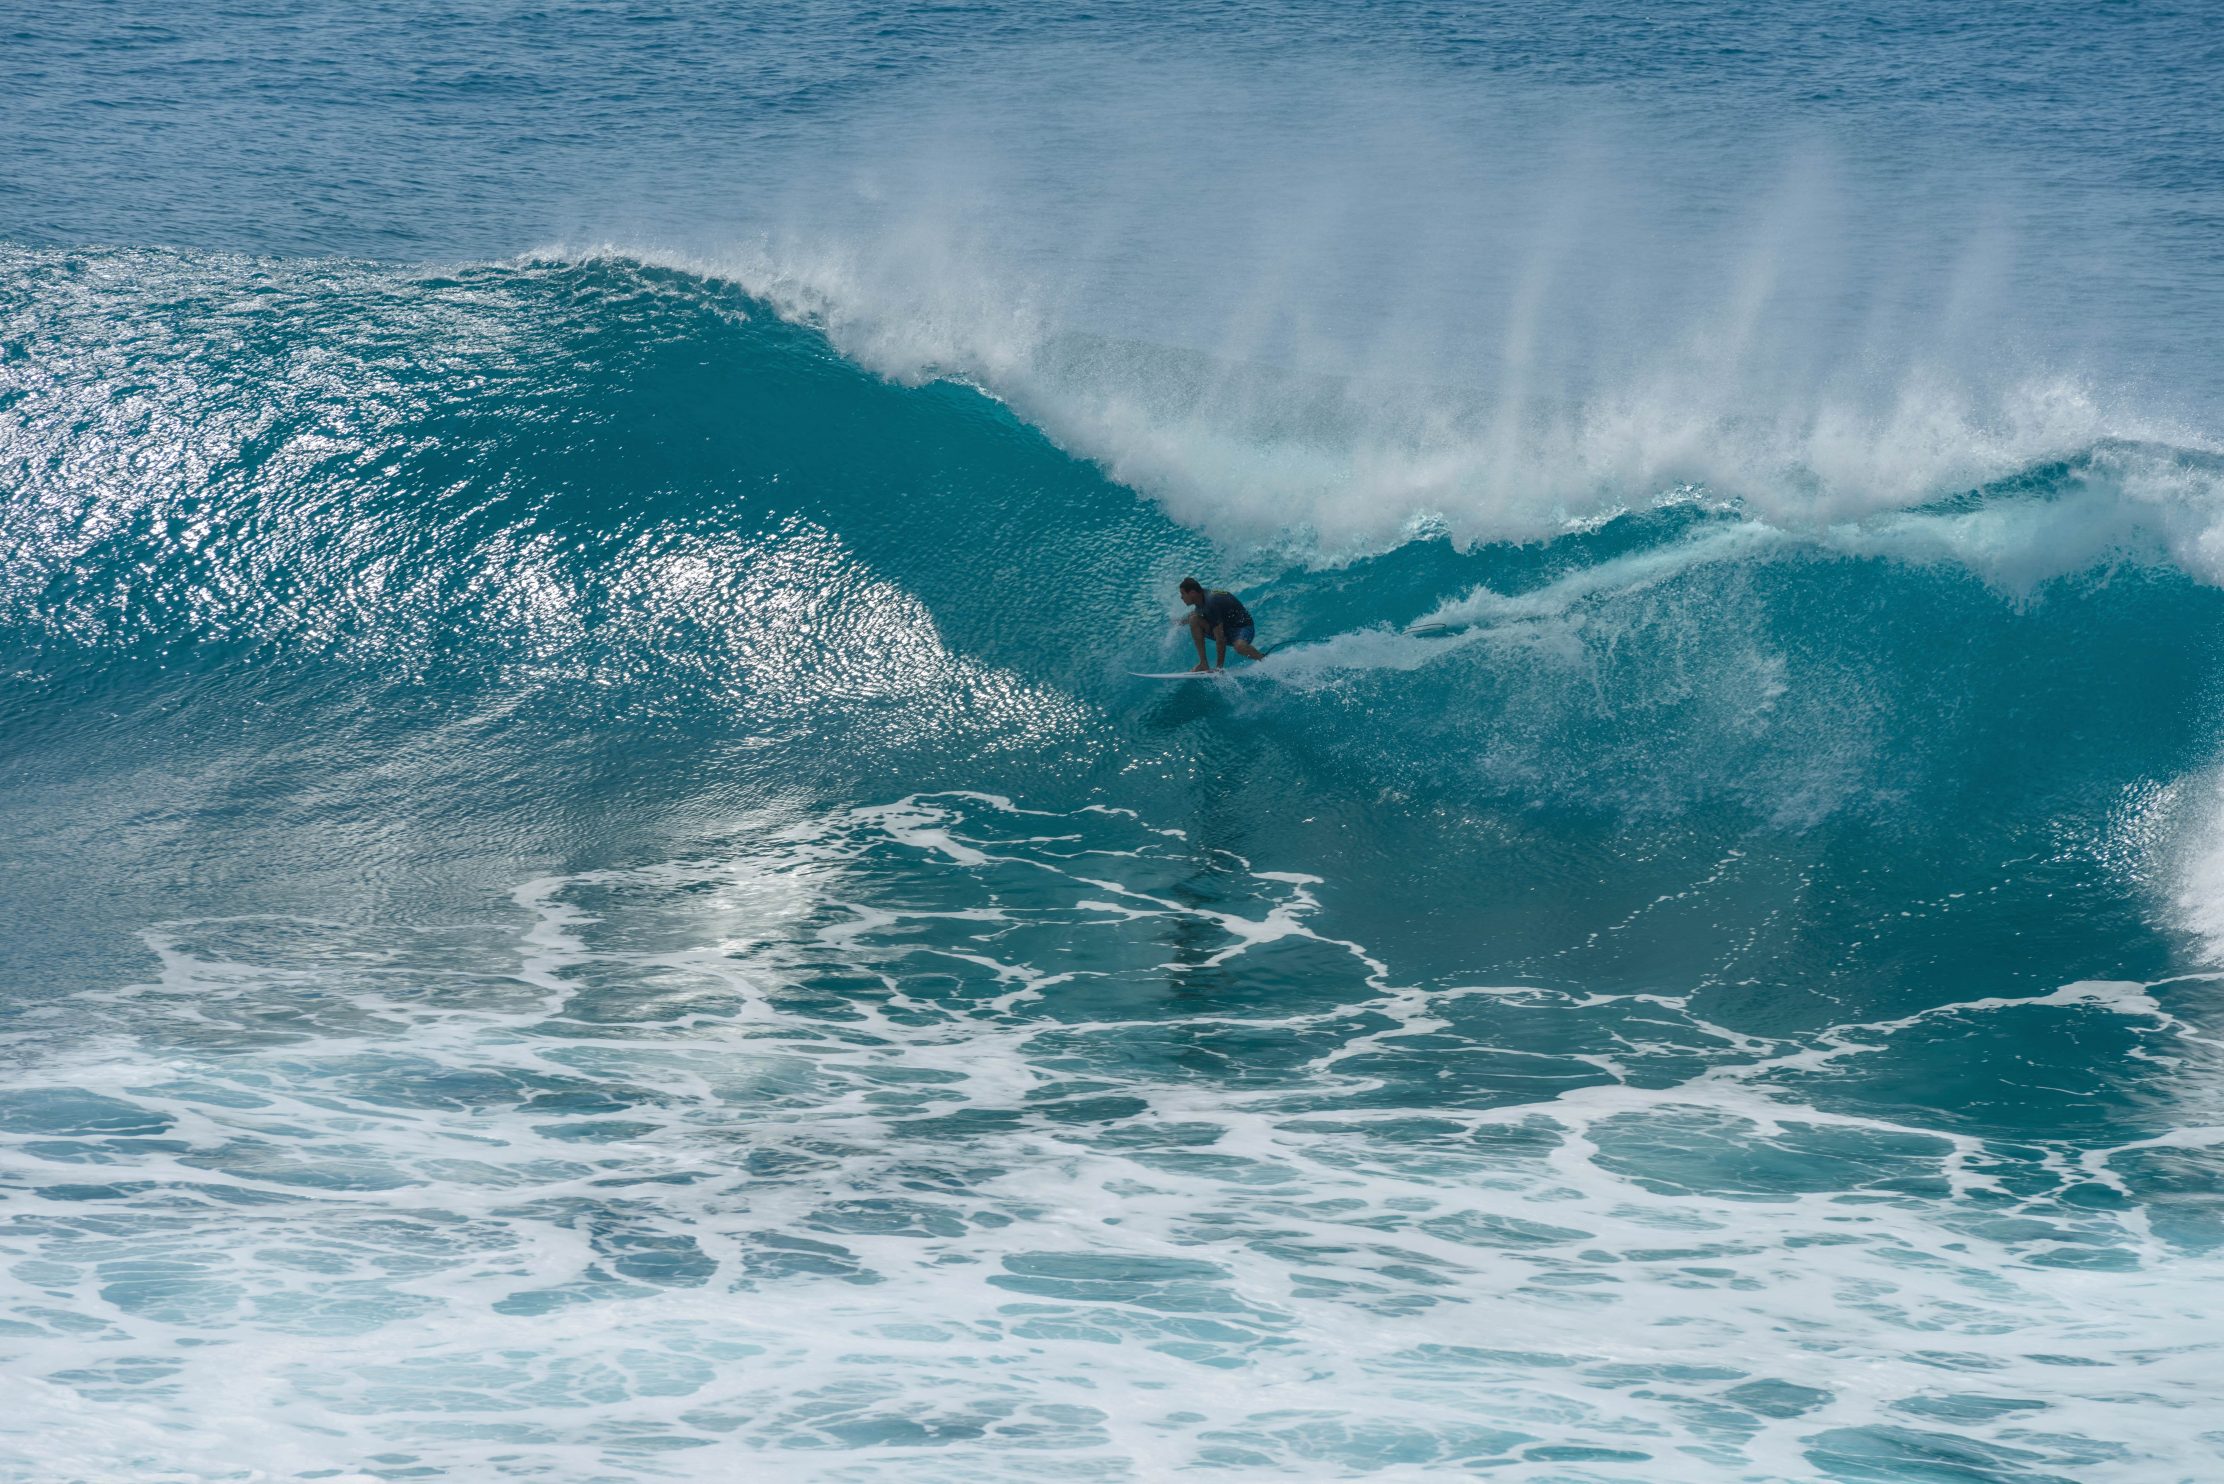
(588, 892)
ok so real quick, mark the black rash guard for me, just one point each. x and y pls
(1223, 612)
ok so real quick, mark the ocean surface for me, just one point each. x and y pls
(587, 894)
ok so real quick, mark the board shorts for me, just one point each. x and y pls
(1242, 634)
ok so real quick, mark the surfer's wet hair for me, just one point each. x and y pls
(1192, 585)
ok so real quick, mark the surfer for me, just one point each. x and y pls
(1220, 616)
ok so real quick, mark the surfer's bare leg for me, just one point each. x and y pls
(1247, 651)
(1220, 642)
(1197, 632)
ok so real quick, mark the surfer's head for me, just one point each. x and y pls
(1192, 590)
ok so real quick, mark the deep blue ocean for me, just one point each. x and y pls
(587, 893)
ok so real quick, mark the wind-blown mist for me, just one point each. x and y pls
(599, 878)
(1358, 304)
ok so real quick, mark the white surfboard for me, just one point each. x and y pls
(1251, 667)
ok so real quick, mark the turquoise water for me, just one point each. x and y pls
(589, 895)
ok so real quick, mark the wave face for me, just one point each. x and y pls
(674, 934)
(589, 892)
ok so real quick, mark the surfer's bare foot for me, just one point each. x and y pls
(1200, 669)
